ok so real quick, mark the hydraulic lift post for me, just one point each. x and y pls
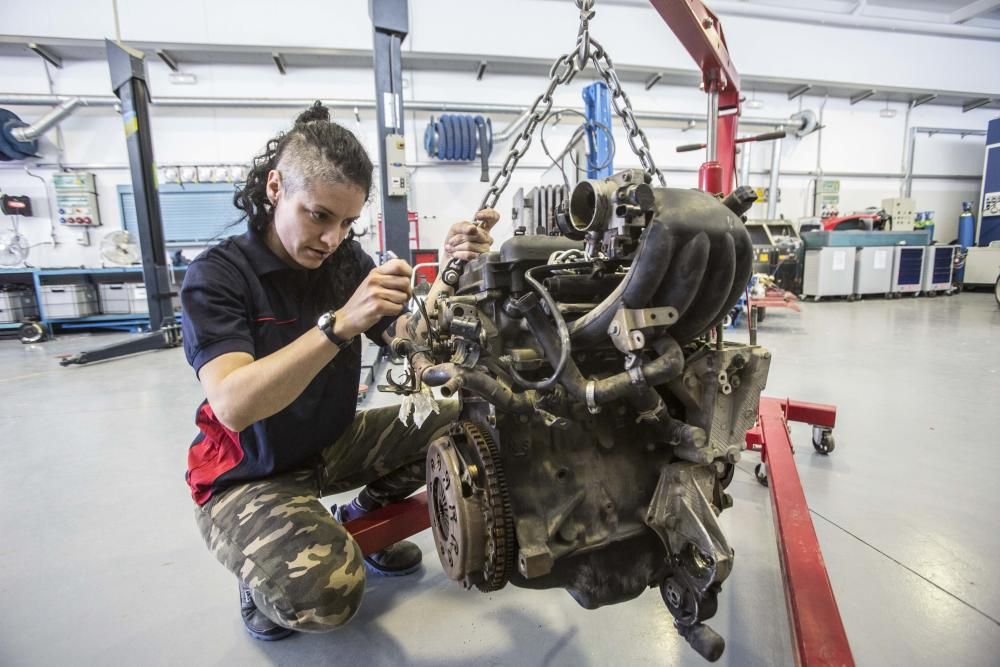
(391, 22)
(128, 80)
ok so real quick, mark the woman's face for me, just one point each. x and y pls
(311, 222)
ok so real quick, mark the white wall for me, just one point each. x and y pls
(855, 140)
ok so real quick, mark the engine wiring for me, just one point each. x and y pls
(584, 127)
(561, 327)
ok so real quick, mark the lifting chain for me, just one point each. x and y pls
(563, 70)
(637, 140)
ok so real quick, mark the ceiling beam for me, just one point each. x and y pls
(279, 61)
(863, 95)
(168, 60)
(972, 10)
(975, 104)
(46, 54)
(799, 90)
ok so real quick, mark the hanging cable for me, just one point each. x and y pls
(561, 326)
(586, 127)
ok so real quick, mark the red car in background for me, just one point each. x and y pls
(868, 221)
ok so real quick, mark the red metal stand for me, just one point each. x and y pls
(378, 529)
(818, 636)
(776, 298)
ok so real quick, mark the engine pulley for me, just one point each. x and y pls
(471, 517)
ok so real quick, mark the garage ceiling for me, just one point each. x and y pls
(977, 19)
(973, 13)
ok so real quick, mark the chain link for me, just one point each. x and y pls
(587, 12)
(563, 70)
(637, 140)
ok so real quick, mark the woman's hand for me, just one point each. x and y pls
(467, 241)
(384, 292)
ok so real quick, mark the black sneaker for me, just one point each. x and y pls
(396, 560)
(257, 624)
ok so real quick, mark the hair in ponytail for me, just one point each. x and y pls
(314, 150)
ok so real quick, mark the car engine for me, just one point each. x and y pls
(602, 414)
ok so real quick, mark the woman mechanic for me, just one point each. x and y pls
(271, 326)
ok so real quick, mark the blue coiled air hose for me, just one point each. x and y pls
(460, 137)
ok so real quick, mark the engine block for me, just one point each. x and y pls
(600, 419)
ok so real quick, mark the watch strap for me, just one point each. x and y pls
(327, 329)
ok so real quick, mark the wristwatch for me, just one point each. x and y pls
(325, 324)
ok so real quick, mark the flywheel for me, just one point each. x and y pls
(471, 516)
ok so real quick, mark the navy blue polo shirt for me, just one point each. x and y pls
(239, 296)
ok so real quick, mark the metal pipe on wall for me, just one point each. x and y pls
(513, 128)
(912, 146)
(43, 124)
(745, 163)
(798, 173)
(772, 193)
(790, 124)
(908, 172)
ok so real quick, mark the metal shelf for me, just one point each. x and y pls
(118, 321)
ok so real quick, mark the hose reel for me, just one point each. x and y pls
(460, 137)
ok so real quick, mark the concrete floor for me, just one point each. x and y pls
(100, 561)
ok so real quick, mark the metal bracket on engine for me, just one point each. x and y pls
(684, 518)
(551, 420)
(626, 328)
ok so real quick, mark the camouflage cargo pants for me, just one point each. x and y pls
(305, 570)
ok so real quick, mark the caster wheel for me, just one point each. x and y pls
(760, 471)
(932, 294)
(31, 332)
(823, 441)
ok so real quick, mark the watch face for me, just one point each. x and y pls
(324, 320)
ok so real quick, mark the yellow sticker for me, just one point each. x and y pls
(131, 124)
(763, 257)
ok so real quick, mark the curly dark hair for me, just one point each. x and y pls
(314, 149)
